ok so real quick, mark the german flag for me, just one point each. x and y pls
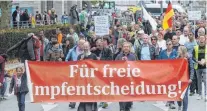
(167, 21)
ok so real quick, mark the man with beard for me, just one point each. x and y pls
(102, 53)
(126, 55)
(87, 106)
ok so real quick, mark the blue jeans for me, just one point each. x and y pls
(21, 101)
(3, 89)
(184, 101)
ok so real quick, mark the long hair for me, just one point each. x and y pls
(182, 52)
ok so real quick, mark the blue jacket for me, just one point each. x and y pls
(72, 55)
(163, 55)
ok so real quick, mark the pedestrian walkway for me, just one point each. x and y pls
(11, 105)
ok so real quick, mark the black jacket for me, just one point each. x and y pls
(151, 49)
(106, 54)
(25, 17)
(25, 49)
(14, 15)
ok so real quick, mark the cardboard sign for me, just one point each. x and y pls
(194, 15)
(101, 25)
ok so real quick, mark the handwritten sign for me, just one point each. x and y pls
(194, 15)
(101, 25)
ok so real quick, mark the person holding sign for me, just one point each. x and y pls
(183, 53)
(87, 106)
(126, 55)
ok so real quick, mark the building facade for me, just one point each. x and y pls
(41, 6)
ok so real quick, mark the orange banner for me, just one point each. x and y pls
(113, 81)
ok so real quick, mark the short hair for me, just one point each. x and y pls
(86, 42)
(128, 43)
(168, 40)
(17, 7)
(178, 29)
(19, 68)
(176, 36)
(201, 29)
(106, 37)
(121, 41)
(154, 37)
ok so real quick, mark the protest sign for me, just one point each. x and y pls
(94, 81)
(194, 15)
(101, 25)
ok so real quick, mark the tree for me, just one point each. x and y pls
(5, 8)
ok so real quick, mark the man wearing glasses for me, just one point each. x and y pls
(169, 53)
(154, 43)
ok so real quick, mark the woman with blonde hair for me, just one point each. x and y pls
(183, 54)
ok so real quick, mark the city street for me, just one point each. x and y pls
(11, 105)
(59, 51)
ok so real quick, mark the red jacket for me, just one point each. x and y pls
(2, 68)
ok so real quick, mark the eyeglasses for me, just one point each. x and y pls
(168, 44)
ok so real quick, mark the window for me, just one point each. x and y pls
(49, 5)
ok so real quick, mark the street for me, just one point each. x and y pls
(11, 105)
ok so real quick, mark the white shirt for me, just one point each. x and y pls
(162, 44)
(183, 39)
(18, 17)
(18, 82)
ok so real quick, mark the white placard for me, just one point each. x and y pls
(194, 15)
(101, 25)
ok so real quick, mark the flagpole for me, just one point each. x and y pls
(161, 5)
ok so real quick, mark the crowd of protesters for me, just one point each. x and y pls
(132, 42)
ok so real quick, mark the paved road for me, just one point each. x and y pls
(11, 105)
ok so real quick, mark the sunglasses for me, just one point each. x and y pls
(168, 44)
